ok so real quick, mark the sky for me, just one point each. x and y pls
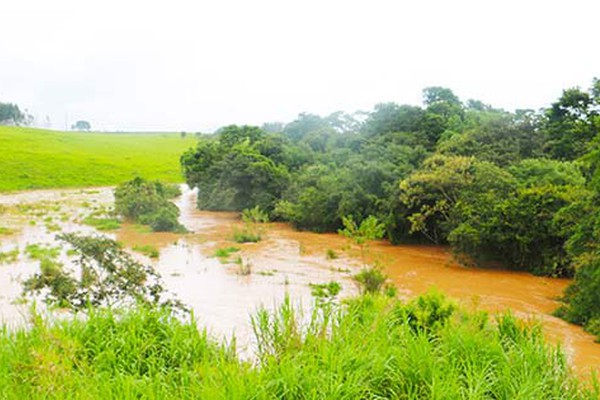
(197, 65)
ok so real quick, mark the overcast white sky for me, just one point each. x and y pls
(198, 65)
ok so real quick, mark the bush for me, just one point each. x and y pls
(370, 280)
(147, 203)
(246, 236)
(582, 297)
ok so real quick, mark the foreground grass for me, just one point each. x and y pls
(374, 348)
(35, 158)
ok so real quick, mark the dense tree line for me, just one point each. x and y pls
(11, 114)
(516, 189)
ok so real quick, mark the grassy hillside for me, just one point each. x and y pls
(34, 158)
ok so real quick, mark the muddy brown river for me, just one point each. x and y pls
(284, 263)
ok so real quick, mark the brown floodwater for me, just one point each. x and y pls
(284, 263)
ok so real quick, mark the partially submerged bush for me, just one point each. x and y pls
(361, 234)
(254, 215)
(251, 232)
(370, 280)
(246, 236)
(148, 203)
(107, 276)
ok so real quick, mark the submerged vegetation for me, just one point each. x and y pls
(147, 250)
(9, 256)
(252, 231)
(106, 276)
(148, 203)
(224, 252)
(370, 347)
(103, 224)
(502, 188)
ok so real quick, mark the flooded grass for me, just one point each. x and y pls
(38, 251)
(6, 231)
(103, 224)
(8, 257)
(225, 252)
(147, 250)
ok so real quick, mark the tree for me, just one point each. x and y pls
(82, 126)
(232, 174)
(582, 298)
(437, 94)
(10, 114)
(304, 124)
(572, 123)
(495, 137)
(232, 134)
(520, 230)
(432, 192)
(390, 117)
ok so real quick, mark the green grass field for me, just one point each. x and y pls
(35, 158)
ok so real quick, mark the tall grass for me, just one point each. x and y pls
(371, 347)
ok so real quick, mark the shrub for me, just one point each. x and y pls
(582, 298)
(370, 280)
(147, 202)
(246, 236)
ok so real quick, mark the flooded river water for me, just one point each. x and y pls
(285, 262)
